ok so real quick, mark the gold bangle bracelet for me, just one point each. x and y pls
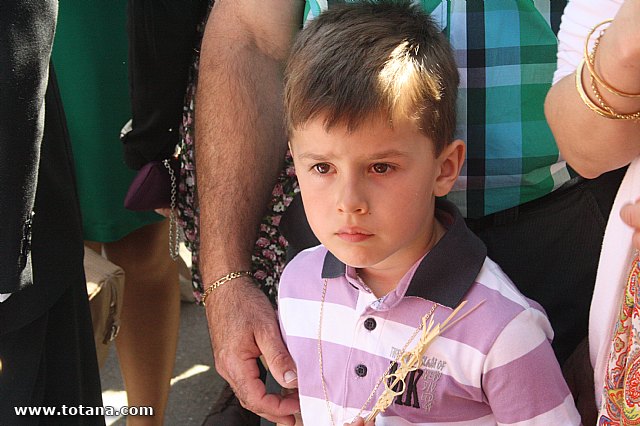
(604, 105)
(603, 109)
(590, 61)
(585, 99)
(217, 283)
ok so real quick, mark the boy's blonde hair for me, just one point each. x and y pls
(357, 60)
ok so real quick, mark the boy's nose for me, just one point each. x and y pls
(352, 198)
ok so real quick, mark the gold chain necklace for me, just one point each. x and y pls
(386, 373)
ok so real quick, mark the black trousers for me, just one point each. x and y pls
(51, 362)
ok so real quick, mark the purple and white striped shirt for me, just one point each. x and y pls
(496, 366)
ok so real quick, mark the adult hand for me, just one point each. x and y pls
(630, 215)
(359, 421)
(243, 326)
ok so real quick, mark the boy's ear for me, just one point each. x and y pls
(450, 161)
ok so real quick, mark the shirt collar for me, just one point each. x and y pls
(447, 272)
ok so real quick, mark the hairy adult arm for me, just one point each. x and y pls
(240, 146)
(590, 143)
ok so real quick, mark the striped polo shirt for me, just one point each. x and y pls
(495, 366)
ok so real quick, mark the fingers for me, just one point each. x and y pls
(244, 378)
(277, 357)
(630, 215)
(233, 312)
(272, 407)
(242, 325)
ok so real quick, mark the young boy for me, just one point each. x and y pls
(370, 94)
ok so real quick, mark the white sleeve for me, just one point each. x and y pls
(577, 20)
(4, 296)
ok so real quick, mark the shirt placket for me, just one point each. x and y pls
(359, 373)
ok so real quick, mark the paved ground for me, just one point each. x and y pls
(195, 384)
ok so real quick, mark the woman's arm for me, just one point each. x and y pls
(593, 144)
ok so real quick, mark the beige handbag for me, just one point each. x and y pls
(105, 287)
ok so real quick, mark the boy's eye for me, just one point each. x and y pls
(380, 168)
(322, 168)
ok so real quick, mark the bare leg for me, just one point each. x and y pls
(150, 317)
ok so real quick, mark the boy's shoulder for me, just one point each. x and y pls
(502, 302)
(310, 257)
(499, 308)
(305, 267)
(492, 280)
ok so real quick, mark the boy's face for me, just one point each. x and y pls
(369, 195)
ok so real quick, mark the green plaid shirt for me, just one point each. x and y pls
(506, 55)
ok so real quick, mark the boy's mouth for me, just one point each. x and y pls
(353, 234)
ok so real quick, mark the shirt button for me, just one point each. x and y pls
(370, 324)
(361, 370)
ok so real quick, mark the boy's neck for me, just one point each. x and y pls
(380, 282)
(383, 281)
